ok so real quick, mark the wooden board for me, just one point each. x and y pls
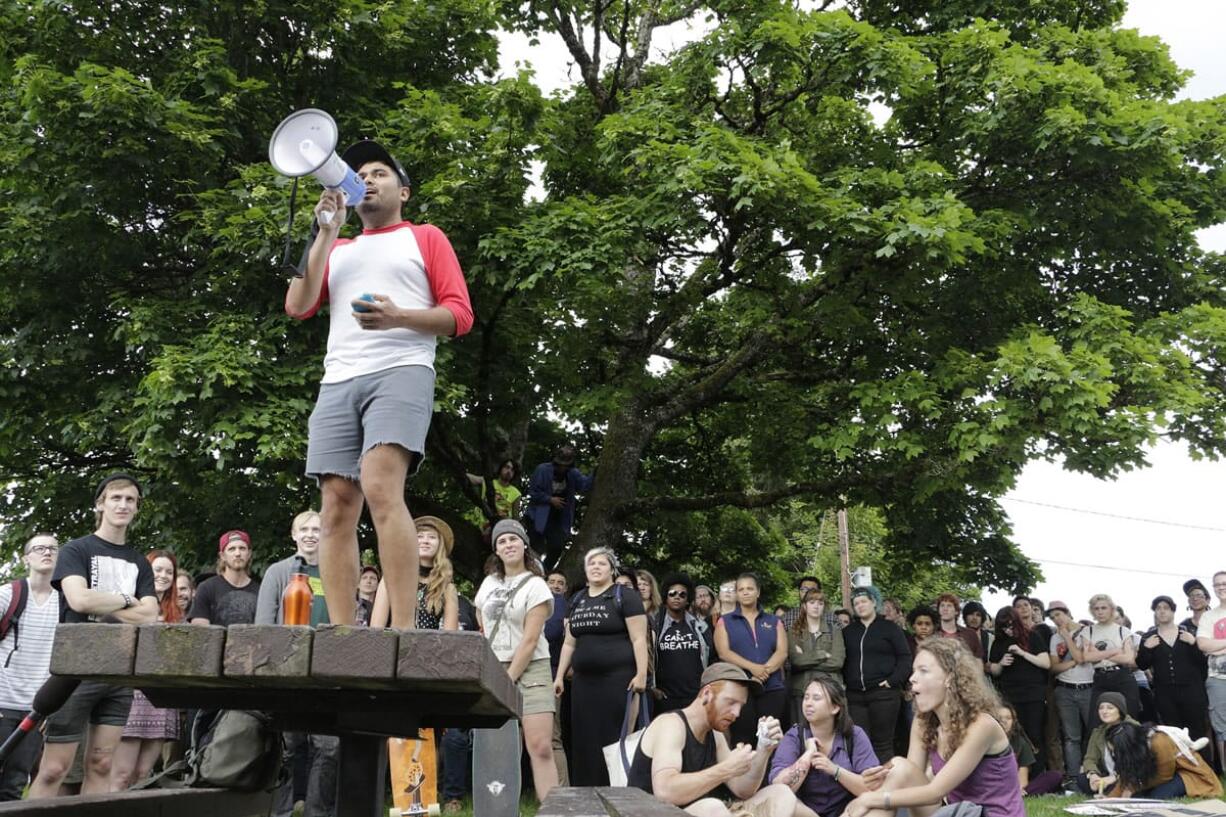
(413, 767)
(148, 803)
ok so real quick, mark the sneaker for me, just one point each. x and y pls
(453, 807)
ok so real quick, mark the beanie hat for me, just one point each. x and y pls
(511, 526)
(1115, 699)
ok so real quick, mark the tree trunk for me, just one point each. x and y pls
(628, 435)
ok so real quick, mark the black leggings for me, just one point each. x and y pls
(1030, 716)
(875, 711)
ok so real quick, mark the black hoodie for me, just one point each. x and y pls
(876, 653)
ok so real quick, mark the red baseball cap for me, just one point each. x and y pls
(229, 536)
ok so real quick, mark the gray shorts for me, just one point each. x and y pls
(93, 702)
(1216, 687)
(392, 406)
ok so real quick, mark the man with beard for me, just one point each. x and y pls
(230, 597)
(704, 600)
(391, 291)
(684, 759)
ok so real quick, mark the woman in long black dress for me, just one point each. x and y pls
(606, 646)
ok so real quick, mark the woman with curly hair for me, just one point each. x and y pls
(956, 731)
(148, 726)
(438, 604)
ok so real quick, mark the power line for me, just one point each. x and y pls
(1147, 572)
(1116, 515)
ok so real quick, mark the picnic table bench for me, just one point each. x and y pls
(363, 685)
(605, 802)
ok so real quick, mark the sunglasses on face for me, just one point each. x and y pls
(678, 594)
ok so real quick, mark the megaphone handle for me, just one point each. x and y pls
(325, 216)
(306, 249)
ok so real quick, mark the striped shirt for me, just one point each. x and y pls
(25, 660)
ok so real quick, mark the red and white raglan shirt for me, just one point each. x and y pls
(413, 265)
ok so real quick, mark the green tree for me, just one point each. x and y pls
(890, 252)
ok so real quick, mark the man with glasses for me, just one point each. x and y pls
(26, 653)
(683, 647)
(1198, 603)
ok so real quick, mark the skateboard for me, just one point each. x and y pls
(414, 773)
(496, 771)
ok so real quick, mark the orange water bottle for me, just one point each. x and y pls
(297, 599)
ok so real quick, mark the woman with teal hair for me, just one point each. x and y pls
(876, 669)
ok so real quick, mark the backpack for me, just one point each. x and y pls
(17, 606)
(617, 598)
(228, 749)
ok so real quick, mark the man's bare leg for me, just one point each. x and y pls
(55, 765)
(780, 802)
(103, 740)
(384, 469)
(904, 774)
(339, 510)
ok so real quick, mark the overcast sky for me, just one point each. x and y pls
(1146, 532)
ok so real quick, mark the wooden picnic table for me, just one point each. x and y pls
(363, 685)
(605, 802)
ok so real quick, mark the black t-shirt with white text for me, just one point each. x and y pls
(602, 642)
(106, 567)
(222, 603)
(678, 660)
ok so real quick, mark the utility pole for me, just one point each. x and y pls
(844, 558)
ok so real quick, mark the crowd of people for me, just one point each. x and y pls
(801, 710)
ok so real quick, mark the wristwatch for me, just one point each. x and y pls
(127, 600)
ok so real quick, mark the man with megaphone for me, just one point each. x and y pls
(392, 290)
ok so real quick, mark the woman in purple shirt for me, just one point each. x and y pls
(821, 759)
(956, 732)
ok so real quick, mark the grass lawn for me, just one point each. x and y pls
(1051, 805)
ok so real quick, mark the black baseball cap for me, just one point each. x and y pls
(368, 150)
(1194, 584)
(140, 492)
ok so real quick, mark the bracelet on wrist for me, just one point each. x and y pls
(886, 798)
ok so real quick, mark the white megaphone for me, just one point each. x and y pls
(305, 144)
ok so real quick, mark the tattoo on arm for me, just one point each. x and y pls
(794, 777)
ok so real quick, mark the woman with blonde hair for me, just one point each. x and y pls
(606, 645)
(956, 733)
(1109, 647)
(438, 604)
(649, 592)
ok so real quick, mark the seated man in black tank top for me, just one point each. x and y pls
(684, 759)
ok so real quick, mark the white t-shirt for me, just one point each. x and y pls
(1104, 637)
(28, 666)
(1078, 673)
(1213, 625)
(491, 600)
